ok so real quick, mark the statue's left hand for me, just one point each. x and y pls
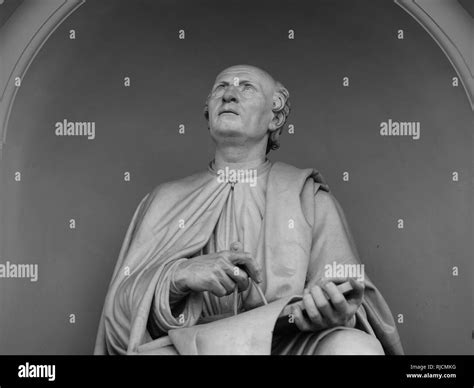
(323, 312)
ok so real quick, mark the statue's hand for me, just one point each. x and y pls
(325, 312)
(217, 273)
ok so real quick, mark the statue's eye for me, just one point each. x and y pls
(247, 87)
(218, 89)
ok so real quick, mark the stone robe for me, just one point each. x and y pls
(288, 221)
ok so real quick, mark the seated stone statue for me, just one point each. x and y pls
(242, 233)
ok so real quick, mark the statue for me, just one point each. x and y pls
(215, 262)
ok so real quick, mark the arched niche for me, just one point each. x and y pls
(21, 38)
(451, 24)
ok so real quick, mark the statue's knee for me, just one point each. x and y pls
(346, 342)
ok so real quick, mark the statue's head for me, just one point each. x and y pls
(246, 105)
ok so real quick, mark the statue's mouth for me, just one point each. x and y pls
(230, 111)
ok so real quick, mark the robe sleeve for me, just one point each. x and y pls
(172, 308)
(147, 274)
(332, 242)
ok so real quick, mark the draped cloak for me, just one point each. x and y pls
(299, 228)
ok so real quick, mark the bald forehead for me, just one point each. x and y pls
(247, 72)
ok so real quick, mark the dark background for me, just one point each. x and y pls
(336, 130)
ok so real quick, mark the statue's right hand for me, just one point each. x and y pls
(217, 273)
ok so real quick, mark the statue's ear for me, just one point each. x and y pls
(278, 111)
(277, 121)
(273, 124)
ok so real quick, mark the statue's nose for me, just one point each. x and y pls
(230, 94)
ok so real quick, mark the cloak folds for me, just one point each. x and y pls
(175, 221)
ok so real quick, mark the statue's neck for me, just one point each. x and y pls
(245, 165)
(240, 157)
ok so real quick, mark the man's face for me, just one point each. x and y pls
(240, 105)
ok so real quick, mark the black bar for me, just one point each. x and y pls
(260, 371)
